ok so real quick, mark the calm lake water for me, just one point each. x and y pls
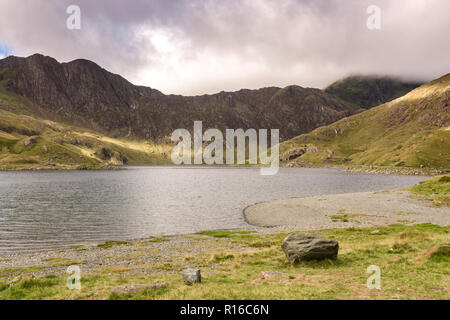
(43, 210)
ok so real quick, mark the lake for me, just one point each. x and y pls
(50, 209)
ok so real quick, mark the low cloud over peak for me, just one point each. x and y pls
(195, 47)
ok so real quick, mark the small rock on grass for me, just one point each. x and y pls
(376, 232)
(191, 276)
(133, 288)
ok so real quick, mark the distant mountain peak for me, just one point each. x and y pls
(367, 91)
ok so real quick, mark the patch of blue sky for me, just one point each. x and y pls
(5, 50)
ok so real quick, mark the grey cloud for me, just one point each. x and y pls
(233, 44)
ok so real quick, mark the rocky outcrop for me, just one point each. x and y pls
(305, 247)
(30, 141)
(105, 154)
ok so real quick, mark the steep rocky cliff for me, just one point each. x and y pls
(83, 94)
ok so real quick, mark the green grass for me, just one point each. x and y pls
(404, 213)
(408, 271)
(342, 216)
(110, 244)
(436, 189)
(441, 255)
(12, 272)
(223, 257)
(155, 239)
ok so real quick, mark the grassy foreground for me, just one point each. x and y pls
(410, 269)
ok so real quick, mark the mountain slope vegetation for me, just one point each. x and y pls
(30, 143)
(411, 131)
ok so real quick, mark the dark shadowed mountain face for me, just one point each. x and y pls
(83, 94)
(369, 91)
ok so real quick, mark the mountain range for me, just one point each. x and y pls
(77, 114)
(81, 93)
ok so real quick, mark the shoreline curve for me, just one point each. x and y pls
(362, 209)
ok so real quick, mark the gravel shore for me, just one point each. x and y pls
(365, 209)
(146, 256)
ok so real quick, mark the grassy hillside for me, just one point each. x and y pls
(28, 142)
(436, 189)
(411, 131)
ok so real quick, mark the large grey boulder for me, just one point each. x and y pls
(191, 276)
(303, 247)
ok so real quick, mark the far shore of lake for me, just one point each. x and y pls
(351, 168)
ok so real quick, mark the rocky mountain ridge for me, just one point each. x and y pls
(84, 94)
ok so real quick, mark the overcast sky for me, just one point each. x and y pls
(195, 47)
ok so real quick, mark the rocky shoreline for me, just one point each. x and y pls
(143, 256)
(363, 169)
(147, 255)
(60, 168)
(398, 170)
(378, 169)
